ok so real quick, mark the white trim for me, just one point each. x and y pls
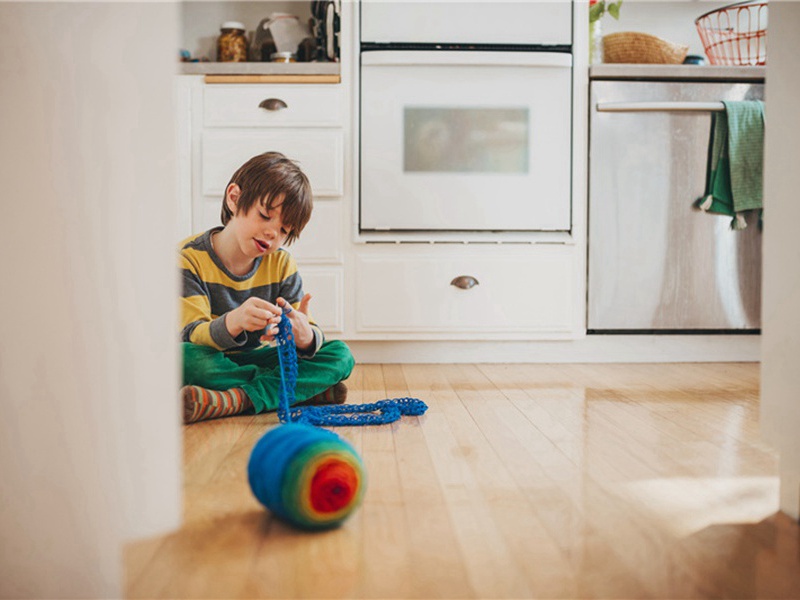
(591, 349)
(580, 156)
(461, 237)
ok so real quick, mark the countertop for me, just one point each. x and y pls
(601, 71)
(647, 72)
(258, 68)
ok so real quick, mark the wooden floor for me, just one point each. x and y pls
(521, 481)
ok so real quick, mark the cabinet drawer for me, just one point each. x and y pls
(321, 240)
(513, 294)
(326, 287)
(319, 152)
(306, 105)
(320, 243)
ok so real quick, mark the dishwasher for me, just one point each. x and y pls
(657, 264)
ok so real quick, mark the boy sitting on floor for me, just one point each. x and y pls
(237, 281)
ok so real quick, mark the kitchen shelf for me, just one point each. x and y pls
(644, 72)
(260, 69)
(273, 79)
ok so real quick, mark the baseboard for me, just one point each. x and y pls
(591, 349)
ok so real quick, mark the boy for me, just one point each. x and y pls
(237, 281)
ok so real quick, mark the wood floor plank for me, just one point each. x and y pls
(521, 481)
(373, 391)
(385, 561)
(716, 414)
(431, 525)
(460, 455)
(206, 443)
(355, 395)
(296, 564)
(651, 540)
(564, 519)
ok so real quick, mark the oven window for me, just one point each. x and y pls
(465, 140)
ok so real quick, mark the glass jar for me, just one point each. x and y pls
(232, 43)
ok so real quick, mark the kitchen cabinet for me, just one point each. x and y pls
(492, 292)
(389, 294)
(471, 169)
(229, 124)
(317, 151)
(239, 105)
(368, 287)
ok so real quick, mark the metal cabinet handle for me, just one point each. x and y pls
(273, 104)
(464, 282)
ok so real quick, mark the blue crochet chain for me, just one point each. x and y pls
(377, 413)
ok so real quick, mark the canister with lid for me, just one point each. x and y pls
(283, 57)
(232, 43)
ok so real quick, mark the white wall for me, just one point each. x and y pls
(89, 430)
(780, 372)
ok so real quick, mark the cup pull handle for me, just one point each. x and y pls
(464, 282)
(273, 104)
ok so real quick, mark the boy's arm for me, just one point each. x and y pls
(198, 325)
(319, 338)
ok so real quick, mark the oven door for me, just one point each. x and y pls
(465, 141)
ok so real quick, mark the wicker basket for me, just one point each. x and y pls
(735, 34)
(634, 47)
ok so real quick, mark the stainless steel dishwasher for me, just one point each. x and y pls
(656, 264)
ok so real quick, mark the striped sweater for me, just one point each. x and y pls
(210, 291)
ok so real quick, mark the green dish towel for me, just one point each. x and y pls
(735, 171)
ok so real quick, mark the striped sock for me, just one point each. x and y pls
(200, 403)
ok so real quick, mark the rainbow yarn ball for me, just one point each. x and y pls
(309, 477)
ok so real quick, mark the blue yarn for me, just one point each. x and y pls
(281, 470)
(287, 358)
(377, 413)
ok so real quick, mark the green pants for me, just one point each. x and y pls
(257, 372)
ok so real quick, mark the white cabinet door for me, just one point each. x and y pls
(252, 105)
(325, 284)
(184, 89)
(319, 152)
(321, 241)
(417, 293)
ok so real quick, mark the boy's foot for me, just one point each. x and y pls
(336, 394)
(200, 403)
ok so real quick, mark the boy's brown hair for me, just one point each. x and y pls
(266, 178)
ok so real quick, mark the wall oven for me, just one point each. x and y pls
(465, 128)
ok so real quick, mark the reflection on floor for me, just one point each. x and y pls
(554, 481)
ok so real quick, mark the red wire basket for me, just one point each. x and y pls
(735, 34)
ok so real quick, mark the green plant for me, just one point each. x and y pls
(597, 8)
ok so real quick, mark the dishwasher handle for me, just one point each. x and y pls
(660, 106)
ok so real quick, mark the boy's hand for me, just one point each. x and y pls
(253, 314)
(303, 334)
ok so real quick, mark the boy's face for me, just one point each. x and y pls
(260, 230)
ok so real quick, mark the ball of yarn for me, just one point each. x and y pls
(309, 477)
